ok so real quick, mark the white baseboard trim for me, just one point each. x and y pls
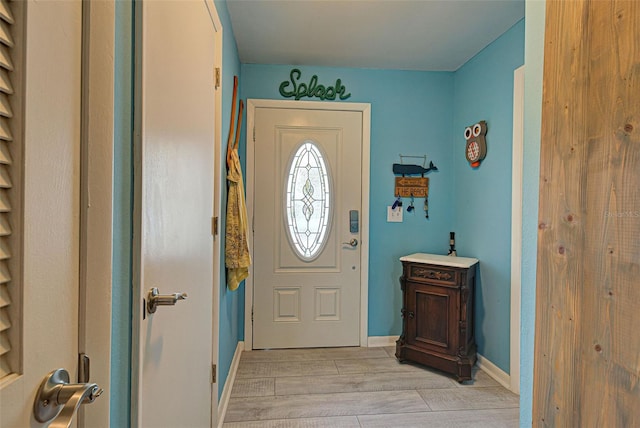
(375, 341)
(228, 384)
(494, 371)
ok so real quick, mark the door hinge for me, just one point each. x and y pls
(254, 134)
(217, 77)
(214, 373)
(252, 314)
(214, 226)
(84, 368)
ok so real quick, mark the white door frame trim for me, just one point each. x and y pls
(516, 226)
(96, 210)
(365, 109)
(218, 170)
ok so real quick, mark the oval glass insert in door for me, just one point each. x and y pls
(308, 201)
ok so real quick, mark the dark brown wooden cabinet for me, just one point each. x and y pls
(437, 313)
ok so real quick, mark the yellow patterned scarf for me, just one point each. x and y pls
(237, 257)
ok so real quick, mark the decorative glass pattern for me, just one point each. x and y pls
(308, 201)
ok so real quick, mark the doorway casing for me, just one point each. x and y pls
(365, 109)
(516, 227)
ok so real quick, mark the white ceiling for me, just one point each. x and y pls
(385, 34)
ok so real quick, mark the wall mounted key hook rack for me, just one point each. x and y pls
(412, 187)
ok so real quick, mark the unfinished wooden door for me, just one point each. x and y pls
(587, 347)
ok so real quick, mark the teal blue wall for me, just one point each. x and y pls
(120, 391)
(534, 56)
(417, 113)
(231, 302)
(411, 113)
(483, 90)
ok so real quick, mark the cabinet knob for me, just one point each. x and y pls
(404, 313)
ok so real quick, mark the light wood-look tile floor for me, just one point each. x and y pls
(360, 387)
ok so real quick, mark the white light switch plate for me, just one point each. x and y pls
(394, 216)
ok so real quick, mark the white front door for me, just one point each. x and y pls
(175, 207)
(39, 312)
(307, 228)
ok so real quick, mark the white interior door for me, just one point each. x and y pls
(175, 172)
(307, 228)
(49, 272)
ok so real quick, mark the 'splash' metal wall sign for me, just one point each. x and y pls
(312, 89)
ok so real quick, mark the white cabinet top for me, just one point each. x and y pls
(435, 259)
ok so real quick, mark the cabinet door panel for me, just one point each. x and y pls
(432, 329)
(432, 317)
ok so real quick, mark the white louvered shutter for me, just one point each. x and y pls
(6, 183)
